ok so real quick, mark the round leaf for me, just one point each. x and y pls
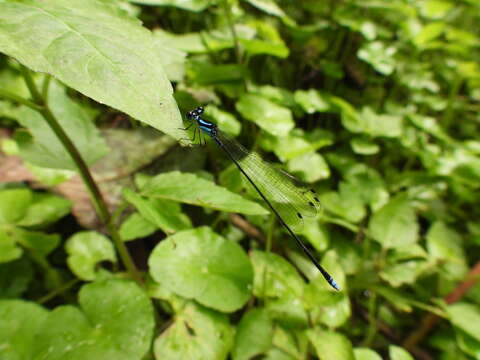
(273, 118)
(395, 224)
(197, 333)
(199, 264)
(115, 322)
(85, 249)
(20, 323)
(330, 345)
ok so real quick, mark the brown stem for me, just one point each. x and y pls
(430, 320)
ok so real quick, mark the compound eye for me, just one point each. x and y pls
(189, 115)
(200, 110)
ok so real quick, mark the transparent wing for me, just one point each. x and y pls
(288, 196)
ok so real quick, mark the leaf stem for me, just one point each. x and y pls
(95, 194)
(19, 100)
(61, 289)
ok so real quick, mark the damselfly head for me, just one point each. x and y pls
(193, 114)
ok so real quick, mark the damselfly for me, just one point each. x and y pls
(287, 199)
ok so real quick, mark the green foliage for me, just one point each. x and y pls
(373, 103)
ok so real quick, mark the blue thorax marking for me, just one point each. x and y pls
(206, 126)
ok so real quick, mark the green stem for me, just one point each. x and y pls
(454, 90)
(45, 87)
(372, 327)
(60, 290)
(19, 100)
(236, 44)
(95, 194)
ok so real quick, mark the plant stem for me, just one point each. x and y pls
(19, 100)
(95, 194)
(61, 289)
(236, 44)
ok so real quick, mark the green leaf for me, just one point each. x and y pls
(316, 233)
(165, 214)
(225, 120)
(14, 278)
(45, 149)
(45, 209)
(275, 276)
(398, 353)
(8, 248)
(136, 226)
(40, 243)
(275, 119)
(364, 147)
(85, 249)
(115, 321)
(330, 345)
(258, 47)
(199, 264)
(369, 185)
(191, 5)
(405, 272)
(173, 60)
(96, 49)
(312, 101)
(380, 124)
(254, 335)
(379, 56)
(346, 203)
(395, 224)
(311, 166)
(445, 244)
(298, 143)
(435, 9)
(203, 73)
(14, 204)
(291, 344)
(365, 354)
(466, 317)
(336, 314)
(270, 7)
(21, 321)
(429, 33)
(191, 189)
(198, 333)
(197, 42)
(288, 311)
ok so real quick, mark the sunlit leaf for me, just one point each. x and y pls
(275, 119)
(85, 249)
(98, 50)
(380, 57)
(365, 354)
(395, 224)
(14, 204)
(196, 332)
(191, 189)
(115, 319)
(136, 226)
(330, 345)
(199, 264)
(21, 321)
(254, 335)
(164, 214)
(398, 353)
(191, 5)
(311, 167)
